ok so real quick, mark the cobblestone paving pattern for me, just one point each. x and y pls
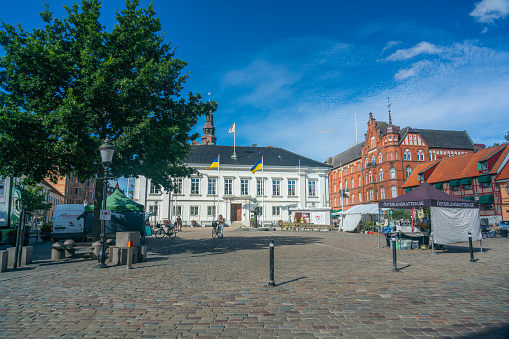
(328, 284)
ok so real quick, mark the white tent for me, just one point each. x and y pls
(353, 216)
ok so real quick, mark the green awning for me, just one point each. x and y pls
(336, 211)
(484, 178)
(408, 189)
(468, 198)
(466, 181)
(487, 199)
(439, 185)
(454, 183)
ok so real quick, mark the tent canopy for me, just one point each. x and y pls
(118, 202)
(426, 196)
(363, 209)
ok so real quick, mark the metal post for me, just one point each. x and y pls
(379, 230)
(22, 226)
(394, 260)
(101, 257)
(20, 235)
(271, 281)
(471, 247)
(129, 250)
(432, 243)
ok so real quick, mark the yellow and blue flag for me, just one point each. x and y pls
(215, 163)
(257, 166)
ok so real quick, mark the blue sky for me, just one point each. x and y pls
(298, 74)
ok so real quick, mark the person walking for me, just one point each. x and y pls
(179, 223)
(220, 224)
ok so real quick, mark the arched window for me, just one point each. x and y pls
(381, 174)
(346, 184)
(360, 181)
(353, 198)
(408, 171)
(360, 196)
(373, 142)
(407, 155)
(382, 193)
(370, 176)
(394, 191)
(353, 182)
(393, 173)
(371, 194)
(373, 162)
(380, 158)
(366, 163)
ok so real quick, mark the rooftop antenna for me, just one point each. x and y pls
(389, 107)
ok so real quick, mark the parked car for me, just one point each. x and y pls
(504, 227)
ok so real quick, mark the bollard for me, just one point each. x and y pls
(271, 280)
(129, 250)
(471, 247)
(394, 261)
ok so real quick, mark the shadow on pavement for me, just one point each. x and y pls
(222, 246)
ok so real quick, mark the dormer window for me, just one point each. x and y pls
(482, 166)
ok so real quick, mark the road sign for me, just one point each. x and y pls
(105, 215)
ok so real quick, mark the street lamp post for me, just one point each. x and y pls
(107, 151)
(155, 213)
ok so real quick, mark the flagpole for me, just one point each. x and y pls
(217, 188)
(263, 196)
(234, 132)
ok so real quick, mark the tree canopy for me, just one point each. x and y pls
(67, 87)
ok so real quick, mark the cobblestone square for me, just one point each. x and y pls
(328, 284)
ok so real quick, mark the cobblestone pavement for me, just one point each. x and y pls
(328, 284)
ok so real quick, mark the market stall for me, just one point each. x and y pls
(452, 218)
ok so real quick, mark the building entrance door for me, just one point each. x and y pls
(236, 212)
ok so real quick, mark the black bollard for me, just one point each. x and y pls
(271, 280)
(394, 261)
(471, 247)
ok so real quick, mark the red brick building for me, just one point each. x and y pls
(376, 168)
(480, 176)
(76, 192)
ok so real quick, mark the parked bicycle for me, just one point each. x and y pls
(170, 231)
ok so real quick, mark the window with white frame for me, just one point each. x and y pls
(373, 142)
(291, 187)
(244, 186)
(353, 183)
(276, 210)
(394, 191)
(212, 186)
(260, 187)
(177, 182)
(370, 176)
(420, 155)
(393, 173)
(407, 155)
(177, 210)
(312, 188)
(391, 155)
(430, 156)
(371, 194)
(382, 193)
(276, 187)
(193, 211)
(360, 197)
(380, 158)
(381, 174)
(360, 181)
(211, 211)
(195, 185)
(154, 189)
(353, 198)
(154, 209)
(408, 172)
(228, 186)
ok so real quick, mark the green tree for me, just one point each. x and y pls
(67, 87)
(35, 197)
(507, 136)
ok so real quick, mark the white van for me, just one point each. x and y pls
(66, 224)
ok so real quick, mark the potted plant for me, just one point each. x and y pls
(193, 223)
(46, 232)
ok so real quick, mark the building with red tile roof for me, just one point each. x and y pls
(482, 176)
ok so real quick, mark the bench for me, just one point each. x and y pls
(302, 226)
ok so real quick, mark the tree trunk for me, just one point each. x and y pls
(98, 204)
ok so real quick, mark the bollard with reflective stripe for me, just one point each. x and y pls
(394, 261)
(271, 280)
(471, 247)
(129, 250)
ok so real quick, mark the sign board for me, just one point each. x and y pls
(105, 215)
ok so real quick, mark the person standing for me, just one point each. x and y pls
(179, 223)
(220, 224)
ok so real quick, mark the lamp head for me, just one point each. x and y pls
(107, 151)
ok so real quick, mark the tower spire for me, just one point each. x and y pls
(209, 137)
(389, 107)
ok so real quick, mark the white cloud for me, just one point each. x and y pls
(414, 70)
(390, 44)
(326, 130)
(487, 11)
(421, 48)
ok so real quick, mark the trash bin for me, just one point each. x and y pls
(503, 233)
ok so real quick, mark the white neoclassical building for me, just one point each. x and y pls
(286, 181)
